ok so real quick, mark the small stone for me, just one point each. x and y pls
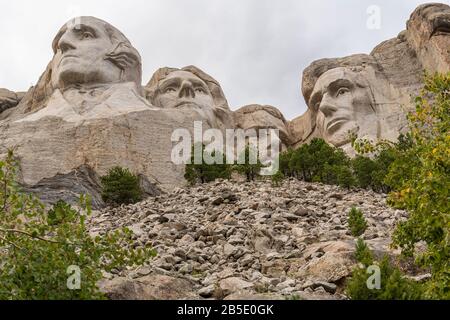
(272, 255)
(186, 269)
(337, 196)
(207, 292)
(143, 271)
(218, 201)
(187, 239)
(232, 285)
(328, 287)
(235, 240)
(229, 250)
(300, 211)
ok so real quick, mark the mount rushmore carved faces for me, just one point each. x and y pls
(344, 98)
(90, 51)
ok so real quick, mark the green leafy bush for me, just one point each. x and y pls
(420, 178)
(357, 223)
(204, 172)
(363, 253)
(277, 179)
(364, 168)
(394, 286)
(38, 247)
(345, 177)
(120, 186)
(318, 162)
(246, 165)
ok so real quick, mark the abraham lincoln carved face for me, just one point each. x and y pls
(345, 100)
(91, 51)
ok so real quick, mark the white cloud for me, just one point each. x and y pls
(257, 49)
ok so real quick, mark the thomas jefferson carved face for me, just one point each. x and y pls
(345, 101)
(183, 88)
(91, 51)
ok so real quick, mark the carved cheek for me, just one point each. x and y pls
(207, 100)
(167, 100)
(363, 104)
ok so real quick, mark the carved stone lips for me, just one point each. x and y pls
(336, 123)
(183, 103)
(67, 56)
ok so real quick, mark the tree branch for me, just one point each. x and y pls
(11, 243)
(31, 236)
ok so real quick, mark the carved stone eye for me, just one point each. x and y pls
(87, 35)
(170, 90)
(342, 91)
(199, 90)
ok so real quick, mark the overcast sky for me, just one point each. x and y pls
(256, 49)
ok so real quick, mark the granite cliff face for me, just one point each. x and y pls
(80, 121)
(89, 110)
(370, 94)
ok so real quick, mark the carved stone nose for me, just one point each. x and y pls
(327, 107)
(65, 44)
(187, 91)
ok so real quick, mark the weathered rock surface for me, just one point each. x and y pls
(83, 114)
(380, 84)
(9, 99)
(263, 117)
(51, 148)
(278, 243)
(94, 117)
(152, 287)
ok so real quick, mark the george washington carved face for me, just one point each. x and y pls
(345, 100)
(91, 51)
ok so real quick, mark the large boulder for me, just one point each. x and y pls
(9, 99)
(152, 287)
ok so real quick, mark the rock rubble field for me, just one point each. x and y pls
(229, 240)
